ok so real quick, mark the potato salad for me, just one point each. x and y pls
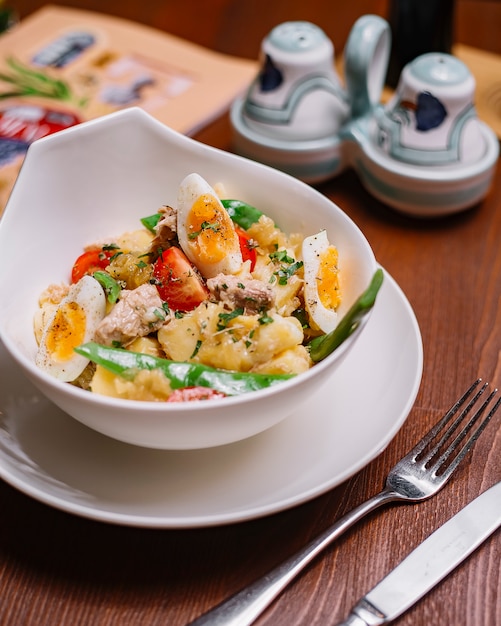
(205, 299)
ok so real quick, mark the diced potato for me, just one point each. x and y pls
(271, 339)
(267, 235)
(179, 338)
(135, 241)
(292, 361)
(244, 342)
(286, 300)
(231, 348)
(149, 385)
(147, 345)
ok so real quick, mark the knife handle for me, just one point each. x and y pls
(364, 614)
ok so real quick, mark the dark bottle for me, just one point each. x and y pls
(417, 27)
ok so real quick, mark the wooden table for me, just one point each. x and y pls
(59, 569)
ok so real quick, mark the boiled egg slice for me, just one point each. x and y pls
(73, 322)
(321, 281)
(205, 230)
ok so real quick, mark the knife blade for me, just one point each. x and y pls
(430, 562)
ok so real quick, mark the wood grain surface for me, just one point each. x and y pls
(58, 569)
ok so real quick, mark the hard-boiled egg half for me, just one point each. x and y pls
(205, 230)
(321, 281)
(73, 322)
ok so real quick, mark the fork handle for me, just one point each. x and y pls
(247, 605)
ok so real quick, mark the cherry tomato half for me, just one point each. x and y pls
(177, 281)
(190, 394)
(246, 246)
(90, 262)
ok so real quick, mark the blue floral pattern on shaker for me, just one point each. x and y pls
(428, 111)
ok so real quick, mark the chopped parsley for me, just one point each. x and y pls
(197, 348)
(289, 266)
(265, 319)
(109, 247)
(225, 318)
(214, 226)
(281, 256)
(286, 271)
(160, 313)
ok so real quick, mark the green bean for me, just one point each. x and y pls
(126, 363)
(322, 346)
(111, 287)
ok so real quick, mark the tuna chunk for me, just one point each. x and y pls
(250, 294)
(138, 313)
(166, 228)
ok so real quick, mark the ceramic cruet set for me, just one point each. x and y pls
(424, 152)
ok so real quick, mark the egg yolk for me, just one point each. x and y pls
(66, 331)
(210, 230)
(328, 279)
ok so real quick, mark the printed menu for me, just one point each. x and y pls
(61, 66)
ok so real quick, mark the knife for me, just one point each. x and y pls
(430, 562)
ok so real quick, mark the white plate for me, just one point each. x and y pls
(55, 459)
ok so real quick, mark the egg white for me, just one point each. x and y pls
(205, 231)
(314, 247)
(73, 322)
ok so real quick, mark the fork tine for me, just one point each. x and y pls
(430, 436)
(470, 442)
(444, 440)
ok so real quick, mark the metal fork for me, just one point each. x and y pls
(417, 476)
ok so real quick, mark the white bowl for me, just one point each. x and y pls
(98, 179)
